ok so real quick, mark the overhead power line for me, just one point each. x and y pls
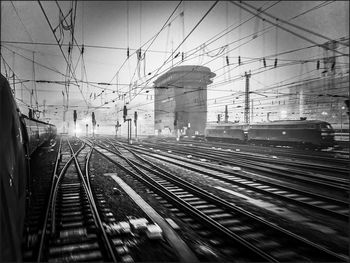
(199, 48)
(25, 28)
(48, 21)
(198, 23)
(155, 36)
(291, 24)
(285, 29)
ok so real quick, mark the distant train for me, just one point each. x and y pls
(20, 136)
(307, 133)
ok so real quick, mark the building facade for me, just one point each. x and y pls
(180, 100)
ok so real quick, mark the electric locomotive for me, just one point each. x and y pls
(16, 145)
(305, 133)
(308, 133)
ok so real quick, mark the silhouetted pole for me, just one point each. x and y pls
(247, 106)
(135, 121)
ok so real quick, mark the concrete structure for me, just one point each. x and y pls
(180, 102)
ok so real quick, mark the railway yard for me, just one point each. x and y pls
(174, 131)
(163, 200)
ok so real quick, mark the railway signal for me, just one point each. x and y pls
(93, 123)
(75, 116)
(125, 113)
(135, 121)
(135, 117)
(75, 122)
(175, 119)
(219, 118)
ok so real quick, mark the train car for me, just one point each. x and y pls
(13, 175)
(301, 133)
(309, 133)
(16, 147)
(226, 132)
(38, 132)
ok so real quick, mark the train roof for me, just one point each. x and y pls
(289, 122)
(272, 123)
(35, 120)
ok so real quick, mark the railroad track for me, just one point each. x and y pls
(326, 205)
(319, 166)
(332, 157)
(341, 170)
(338, 184)
(256, 238)
(73, 225)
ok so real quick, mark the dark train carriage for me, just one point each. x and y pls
(225, 132)
(38, 132)
(13, 170)
(17, 134)
(305, 133)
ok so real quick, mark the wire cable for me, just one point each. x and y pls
(285, 29)
(48, 21)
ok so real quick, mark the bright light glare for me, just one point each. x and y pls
(77, 130)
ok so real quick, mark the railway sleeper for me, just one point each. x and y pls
(68, 248)
(79, 256)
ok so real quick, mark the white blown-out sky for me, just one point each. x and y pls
(108, 28)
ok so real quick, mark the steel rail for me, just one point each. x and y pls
(297, 153)
(54, 176)
(262, 256)
(219, 201)
(92, 203)
(262, 167)
(232, 173)
(53, 202)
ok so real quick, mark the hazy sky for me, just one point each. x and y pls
(115, 25)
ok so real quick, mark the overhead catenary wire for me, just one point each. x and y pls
(285, 52)
(291, 24)
(173, 52)
(48, 21)
(196, 49)
(20, 19)
(285, 29)
(242, 58)
(85, 45)
(73, 40)
(274, 4)
(166, 22)
(10, 68)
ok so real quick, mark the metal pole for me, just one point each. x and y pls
(252, 110)
(13, 74)
(130, 128)
(128, 131)
(246, 108)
